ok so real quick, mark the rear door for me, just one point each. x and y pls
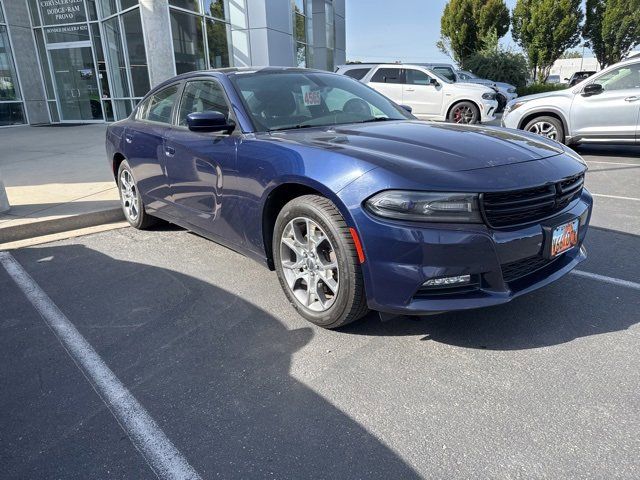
(612, 114)
(421, 94)
(389, 82)
(144, 140)
(200, 163)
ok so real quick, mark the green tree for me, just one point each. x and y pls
(545, 29)
(466, 24)
(612, 28)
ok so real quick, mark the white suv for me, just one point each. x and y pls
(430, 96)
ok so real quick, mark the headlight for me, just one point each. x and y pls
(426, 206)
(513, 106)
(489, 96)
(511, 90)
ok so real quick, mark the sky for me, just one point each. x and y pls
(405, 30)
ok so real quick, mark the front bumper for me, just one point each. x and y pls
(488, 110)
(401, 257)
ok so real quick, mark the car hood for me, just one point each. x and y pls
(416, 144)
(469, 86)
(556, 93)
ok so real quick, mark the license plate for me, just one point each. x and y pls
(564, 237)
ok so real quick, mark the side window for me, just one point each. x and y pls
(202, 96)
(416, 77)
(387, 75)
(446, 72)
(357, 73)
(622, 78)
(159, 106)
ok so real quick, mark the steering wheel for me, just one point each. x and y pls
(357, 106)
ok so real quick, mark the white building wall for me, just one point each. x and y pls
(565, 67)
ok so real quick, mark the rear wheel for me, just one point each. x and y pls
(132, 205)
(545, 126)
(465, 113)
(317, 262)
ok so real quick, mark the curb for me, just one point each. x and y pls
(58, 225)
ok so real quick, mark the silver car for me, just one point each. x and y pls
(602, 108)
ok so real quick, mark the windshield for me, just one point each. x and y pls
(285, 100)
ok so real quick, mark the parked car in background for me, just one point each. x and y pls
(506, 91)
(354, 203)
(603, 108)
(430, 96)
(579, 77)
(553, 80)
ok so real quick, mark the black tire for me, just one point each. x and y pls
(535, 124)
(349, 303)
(143, 220)
(466, 113)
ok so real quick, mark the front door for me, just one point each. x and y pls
(200, 163)
(76, 84)
(421, 94)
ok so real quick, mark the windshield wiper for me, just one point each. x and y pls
(292, 127)
(379, 119)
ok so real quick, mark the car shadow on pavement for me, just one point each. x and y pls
(630, 151)
(211, 368)
(571, 308)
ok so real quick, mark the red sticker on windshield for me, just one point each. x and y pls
(311, 97)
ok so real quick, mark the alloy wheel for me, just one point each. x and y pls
(309, 264)
(463, 114)
(129, 196)
(544, 129)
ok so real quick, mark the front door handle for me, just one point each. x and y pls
(410, 89)
(170, 151)
(635, 98)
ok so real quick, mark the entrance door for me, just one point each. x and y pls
(76, 84)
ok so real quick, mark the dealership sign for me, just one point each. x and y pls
(56, 12)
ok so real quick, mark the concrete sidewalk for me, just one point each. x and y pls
(57, 179)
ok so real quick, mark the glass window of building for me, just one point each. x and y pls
(93, 57)
(330, 32)
(200, 40)
(302, 32)
(11, 108)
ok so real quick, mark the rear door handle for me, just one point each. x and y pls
(128, 138)
(410, 89)
(170, 151)
(632, 99)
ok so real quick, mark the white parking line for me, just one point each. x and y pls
(616, 197)
(614, 163)
(163, 458)
(614, 281)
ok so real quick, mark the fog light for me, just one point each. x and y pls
(445, 281)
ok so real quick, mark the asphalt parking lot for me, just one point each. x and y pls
(204, 342)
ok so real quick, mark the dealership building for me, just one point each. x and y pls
(83, 61)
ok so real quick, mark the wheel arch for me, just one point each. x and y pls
(278, 196)
(460, 100)
(117, 159)
(545, 113)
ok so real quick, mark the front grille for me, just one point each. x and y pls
(521, 268)
(519, 207)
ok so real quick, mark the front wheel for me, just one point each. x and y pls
(465, 113)
(544, 126)
(317, 262)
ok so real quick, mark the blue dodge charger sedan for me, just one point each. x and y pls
(354, 203)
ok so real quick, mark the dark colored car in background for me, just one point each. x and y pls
(351, 200)
(578, 77)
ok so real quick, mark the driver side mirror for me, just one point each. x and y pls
(592, 89)
(434, 82)
(209, 121)
(407, 108)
